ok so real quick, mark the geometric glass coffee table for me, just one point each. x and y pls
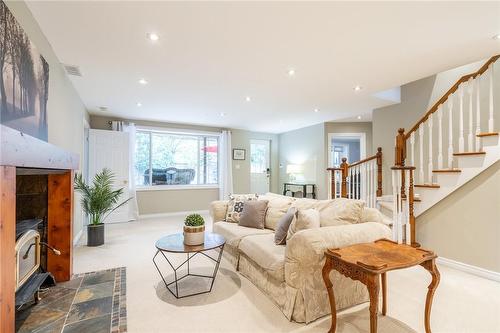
(175, 244)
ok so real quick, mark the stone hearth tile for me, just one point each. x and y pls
(56, 294)
(55, 327)
(36, 317)
(64, 303)
(94, 292)
(74, 283)
(95, 325)
(98, 278)
(89, 309)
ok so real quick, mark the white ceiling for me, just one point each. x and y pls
(211, 55)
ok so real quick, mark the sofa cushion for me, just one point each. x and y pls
(269, 256)
(235, 206)
(305, 203)
(304, 219)
(283, 225)
(277, 207)
(339, 211)
(233, 233)
(253, 214)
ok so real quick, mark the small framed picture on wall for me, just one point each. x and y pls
(239, 154)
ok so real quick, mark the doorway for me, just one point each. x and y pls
(349, 145)
(260, 166)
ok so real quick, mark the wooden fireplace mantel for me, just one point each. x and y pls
(21, 154)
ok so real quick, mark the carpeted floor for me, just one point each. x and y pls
(463, 302)
(90, 302)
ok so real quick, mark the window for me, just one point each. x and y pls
(163, 158)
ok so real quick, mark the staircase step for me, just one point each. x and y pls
(427, 185)
(471, 153)
(447, 170)
(487, 134)
(415, 199)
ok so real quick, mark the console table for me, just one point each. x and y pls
(303, 186)
(365, 262)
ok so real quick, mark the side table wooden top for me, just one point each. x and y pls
(381, 256)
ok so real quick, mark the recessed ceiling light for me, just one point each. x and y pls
(248, 98)
(139, 104)
(143, 81)
(497, 37)
(152, 36)
(222, 114)
(359, 117)
(357, 88)
(103, 108)
(291, 72)
(316, 110)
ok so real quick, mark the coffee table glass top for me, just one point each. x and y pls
(175, 243)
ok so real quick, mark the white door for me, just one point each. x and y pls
(260, 172)
(110, 149)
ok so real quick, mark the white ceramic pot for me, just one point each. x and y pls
(194, 235)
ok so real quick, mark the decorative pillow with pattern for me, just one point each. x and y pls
(235, 206)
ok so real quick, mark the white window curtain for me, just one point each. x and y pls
(131, 130)
(226, 166)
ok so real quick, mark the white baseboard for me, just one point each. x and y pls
(78, 236)
(478, 271)
(159, 215)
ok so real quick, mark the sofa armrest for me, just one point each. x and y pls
(218, 210)
(306, 248)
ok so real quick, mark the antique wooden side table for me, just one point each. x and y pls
(365, 262)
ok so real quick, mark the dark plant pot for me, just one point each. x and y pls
(95, 234)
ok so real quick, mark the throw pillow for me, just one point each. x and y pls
(304, 219)
(283, 226)
(235, 206)
(340, 211)
(253, 214)
(277, 207)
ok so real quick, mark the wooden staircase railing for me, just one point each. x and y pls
(403, 171)
(360, 180)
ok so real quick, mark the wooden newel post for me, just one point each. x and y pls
(400, 156)
(379, 171)
(345, 168)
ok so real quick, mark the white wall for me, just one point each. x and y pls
(65, 110)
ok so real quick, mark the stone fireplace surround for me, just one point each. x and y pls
(23, 155)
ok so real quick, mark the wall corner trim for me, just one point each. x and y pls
(474, 270)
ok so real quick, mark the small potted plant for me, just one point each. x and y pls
(98, 201)
(194, 229)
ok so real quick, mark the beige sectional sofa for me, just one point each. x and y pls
(291, 274)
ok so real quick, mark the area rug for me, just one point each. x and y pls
(90, 302)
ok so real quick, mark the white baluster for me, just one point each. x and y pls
(440, 137)
(374, 183)
(470, 137)
(421, 152)
(461, 144)
(478, 112)
(429, 165)
(450, 132)
(395, 198)
(363, 183)
(356, 182)
(407, 209)
(350, 196)
(490, 120)
(412, 148)
(400, 208)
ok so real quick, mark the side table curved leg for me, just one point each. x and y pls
(431, 267)
(373, 285)
(329, 287)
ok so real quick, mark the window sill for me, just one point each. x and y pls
(176, 187)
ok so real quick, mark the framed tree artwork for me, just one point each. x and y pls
(24, 79)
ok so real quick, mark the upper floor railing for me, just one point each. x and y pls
(360, 180)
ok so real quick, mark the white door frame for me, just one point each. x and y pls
(362, 144)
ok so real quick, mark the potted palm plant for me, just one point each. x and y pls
(194, 230)
(98, 201)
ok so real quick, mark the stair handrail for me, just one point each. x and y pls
(453, 89)
(344, 173)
